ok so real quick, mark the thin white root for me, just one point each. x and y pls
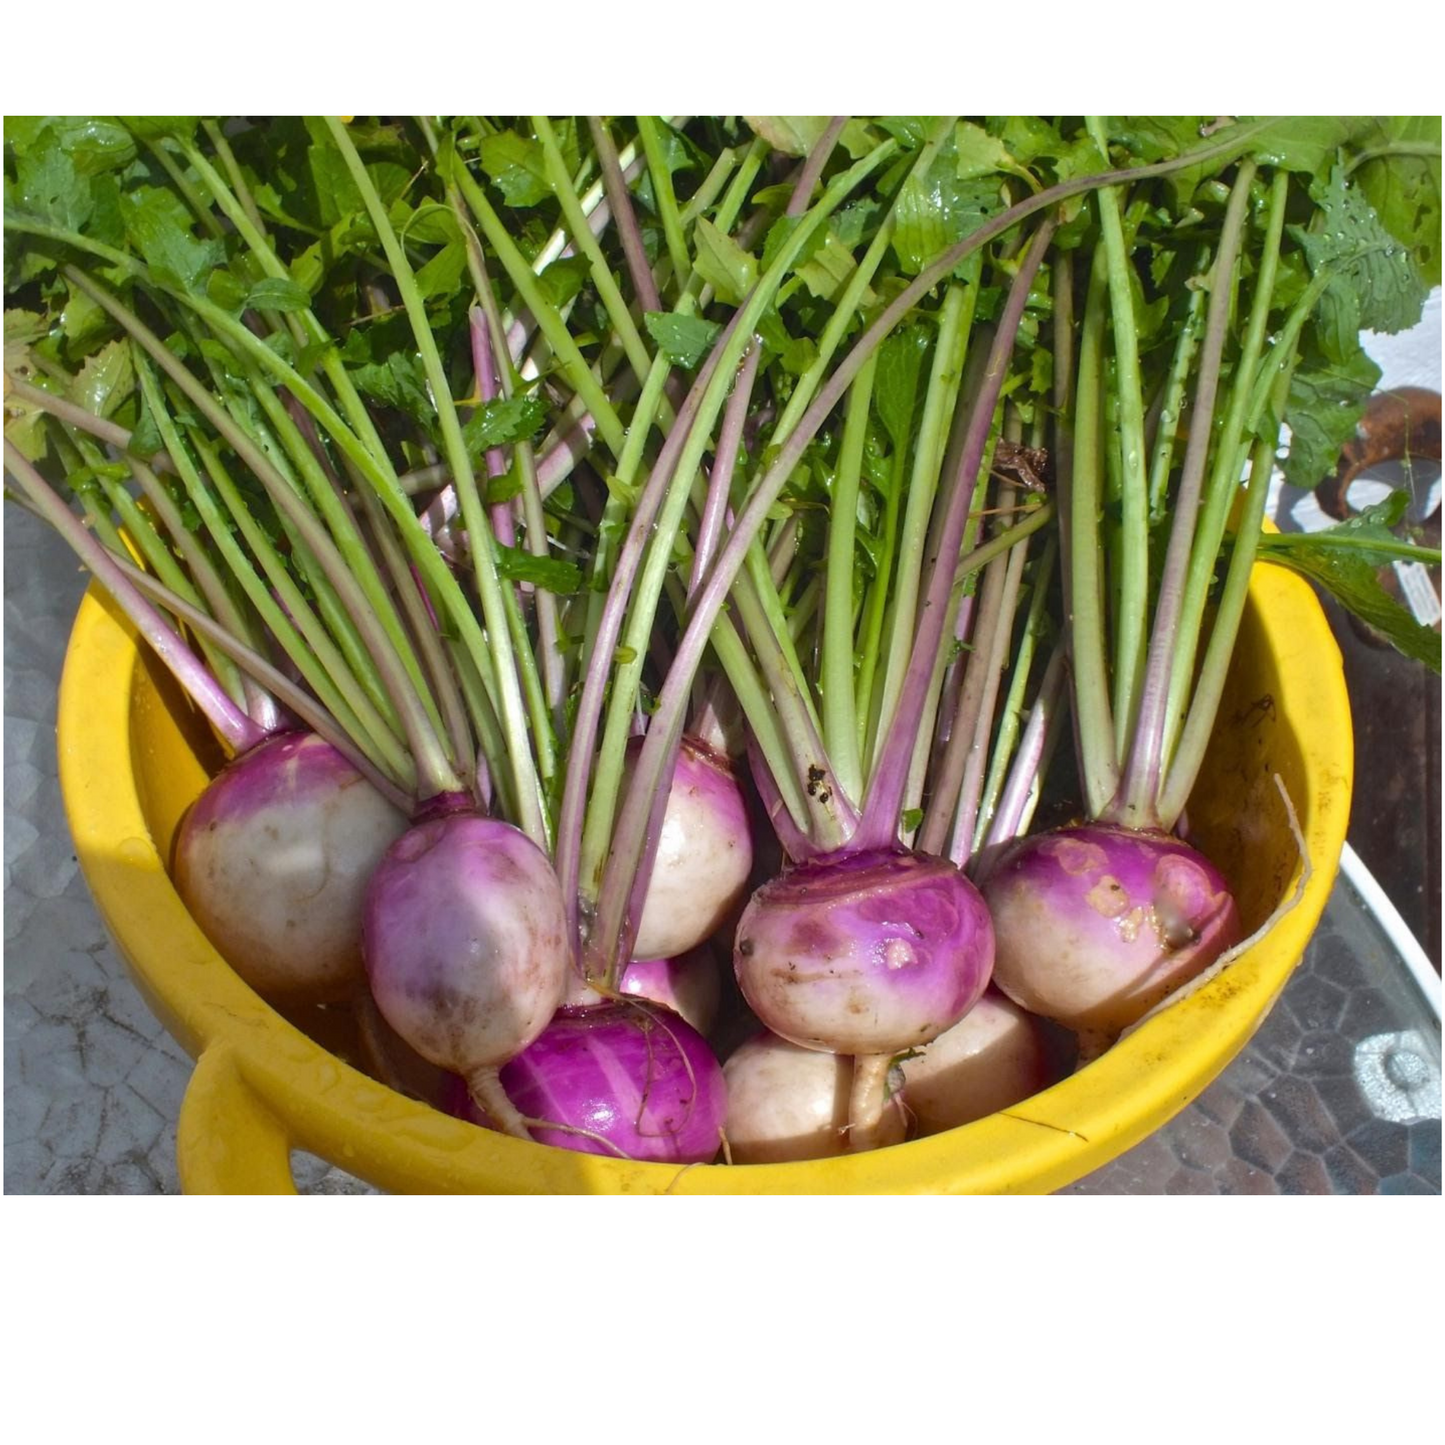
(1286, 905)
(486, 1090)
(868, 1101)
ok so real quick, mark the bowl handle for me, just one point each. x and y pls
(227, 1140)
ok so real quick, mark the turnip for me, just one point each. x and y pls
(273, 860)
(704, 856)
(995, 1056)
(630, 1080)
(466, 945)
(1099, 923)
(787, 1103)
(688, 985)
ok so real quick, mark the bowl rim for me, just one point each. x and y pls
(268, 1088)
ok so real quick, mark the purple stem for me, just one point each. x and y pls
(953, 677)
(796, 843)
(715, 511)
(879, 825)
(305, 707)
(239, 732)
(973, 776)
(1042, 723)
(950, 772)
(503, 523)
(628, 231)
(813, 168)
(81, 419)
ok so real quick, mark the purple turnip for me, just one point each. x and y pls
(1096, 924)
(466, 946)
(629, 1080)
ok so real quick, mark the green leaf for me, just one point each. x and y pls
(719, 260)
(442, 275)
(794, 135)
(1326, 401)
(896, 382)
(551, 574)
(22, 327)
(684, 340)
(146, 439)
(1355, 585)
(564, 279)
(276, 293)
(158, 225)
(226, 290)
(162, 127)
(1368, 535)
(82, 320)
(49, 187)
(1374, 283)
(910, 131)
(398, 381)
(794, 353)
(936, 210)
(980, 154)
(95, 143)
(827, 271)
(504, 420)
(1404, 189)
(779, 234)
(516, 165)
(503, 488)
(105, 380)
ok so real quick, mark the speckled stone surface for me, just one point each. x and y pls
(1339, 1092)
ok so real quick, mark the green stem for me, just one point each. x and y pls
(607, 288)
(940, 404)
(1128, 393)
(1010, 721)
(840, 709)
(1092, 712)
(1199, 726)
(666, 200)
(1172, 406)
(1223, 481)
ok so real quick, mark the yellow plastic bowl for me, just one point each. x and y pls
(133, 755)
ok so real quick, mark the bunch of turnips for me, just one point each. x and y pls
(648, 575)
